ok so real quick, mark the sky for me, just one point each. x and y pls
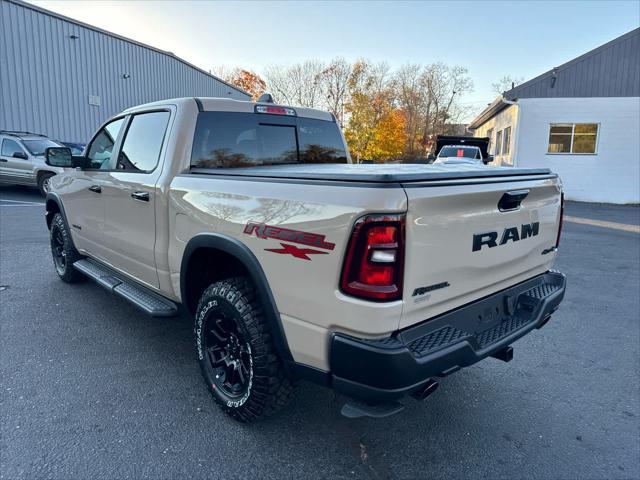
(490, 39)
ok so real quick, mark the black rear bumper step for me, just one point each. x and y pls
(389, 368)
(143, 298)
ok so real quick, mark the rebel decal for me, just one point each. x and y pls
(262, 230)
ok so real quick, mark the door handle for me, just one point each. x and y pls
(96, 188)
(3, 160)
(142, 196)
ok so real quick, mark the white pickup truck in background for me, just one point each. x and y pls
(453, 150)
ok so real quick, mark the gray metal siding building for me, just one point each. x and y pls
(63, 78)
(611, 70)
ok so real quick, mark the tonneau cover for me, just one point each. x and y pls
(372, 173)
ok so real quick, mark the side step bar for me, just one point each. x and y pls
(143, 298)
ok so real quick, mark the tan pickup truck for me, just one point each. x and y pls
(374, 280)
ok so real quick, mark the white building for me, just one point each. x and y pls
(581, 120)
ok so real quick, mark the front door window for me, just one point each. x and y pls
(99, 153)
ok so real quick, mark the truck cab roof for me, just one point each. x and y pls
(219, 104)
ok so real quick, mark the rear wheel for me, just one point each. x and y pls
(236, 354)
(63, 252)
(44, 183)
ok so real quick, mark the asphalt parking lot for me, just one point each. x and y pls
(91, 388)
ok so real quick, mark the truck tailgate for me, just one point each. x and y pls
(462, 246)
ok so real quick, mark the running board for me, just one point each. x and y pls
(143, 298)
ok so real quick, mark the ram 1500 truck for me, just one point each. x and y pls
(374, 280)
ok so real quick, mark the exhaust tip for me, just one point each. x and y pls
(506, 354)
(426, 390)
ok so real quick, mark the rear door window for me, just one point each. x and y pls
(232, 139)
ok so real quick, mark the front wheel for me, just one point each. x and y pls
(236, 354)
(63, 252)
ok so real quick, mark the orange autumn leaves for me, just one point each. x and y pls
(375, 128)
(248, 81)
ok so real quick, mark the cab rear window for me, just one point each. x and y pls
(233, 140)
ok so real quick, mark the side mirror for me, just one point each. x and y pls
(58, 157)
(21, 155)
(487, 160)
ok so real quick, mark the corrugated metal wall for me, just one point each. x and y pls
(612, 70)
(46, 77)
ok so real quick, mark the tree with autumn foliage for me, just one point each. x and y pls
(429, 95)
(385, 115)
(246, 80)
(389, 138)
(375, 127)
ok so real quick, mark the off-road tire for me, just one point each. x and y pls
(269, 387)
(60, 239)
(43, 180)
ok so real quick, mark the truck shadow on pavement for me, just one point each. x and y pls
(91, 387)
(155, 359)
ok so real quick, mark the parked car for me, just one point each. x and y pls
(22, 159)
(374, 280)
(76, 148)
(462, 150)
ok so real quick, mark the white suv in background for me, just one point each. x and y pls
(22, 159)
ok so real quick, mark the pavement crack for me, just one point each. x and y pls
(364, 456)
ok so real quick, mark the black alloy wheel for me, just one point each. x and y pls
(228, 355)
(57, 250)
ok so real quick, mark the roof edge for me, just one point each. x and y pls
(51, 13)
(511, 94)
(489, 112)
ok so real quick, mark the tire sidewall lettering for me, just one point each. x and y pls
(199, 326)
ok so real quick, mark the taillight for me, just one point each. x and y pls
(373, 266)
(561, 218)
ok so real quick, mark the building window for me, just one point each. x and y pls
(573, 137)
(507, 141)
(499, 142)
(490, 136)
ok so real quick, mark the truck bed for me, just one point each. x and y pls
(372, 173)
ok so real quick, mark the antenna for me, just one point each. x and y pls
(265, 98)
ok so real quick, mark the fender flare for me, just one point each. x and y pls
(55, 198)
(240, 252)
(41, 170)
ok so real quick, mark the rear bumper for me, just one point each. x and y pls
(389, 368)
